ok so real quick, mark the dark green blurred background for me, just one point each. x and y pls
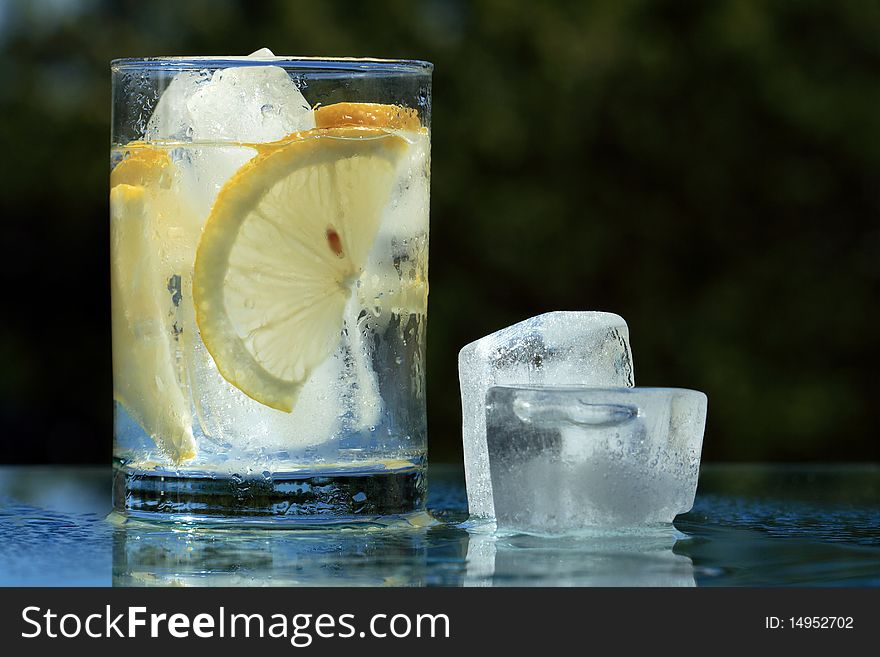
(708, 170)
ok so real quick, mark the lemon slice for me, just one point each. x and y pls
(144, 166)
(287, 237)
(375, 115)
(146, 380)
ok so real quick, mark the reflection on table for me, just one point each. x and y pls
(750, 526)
(443, 555)
(522, 560)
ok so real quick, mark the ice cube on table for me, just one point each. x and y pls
(564, 459)
(557, 348)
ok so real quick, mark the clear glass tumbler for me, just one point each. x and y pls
(269, 260)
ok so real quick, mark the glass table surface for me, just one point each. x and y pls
(751, 525)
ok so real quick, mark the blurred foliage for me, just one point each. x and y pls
(708, 170)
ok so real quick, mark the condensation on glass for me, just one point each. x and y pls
(269, 255)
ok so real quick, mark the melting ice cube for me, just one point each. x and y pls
(576, 458)
(557, 348)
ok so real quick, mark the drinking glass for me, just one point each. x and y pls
(269, 257)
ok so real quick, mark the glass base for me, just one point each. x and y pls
(302, 498)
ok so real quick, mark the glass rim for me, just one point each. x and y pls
(355, 65)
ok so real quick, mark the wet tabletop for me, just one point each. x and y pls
(751, 525)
